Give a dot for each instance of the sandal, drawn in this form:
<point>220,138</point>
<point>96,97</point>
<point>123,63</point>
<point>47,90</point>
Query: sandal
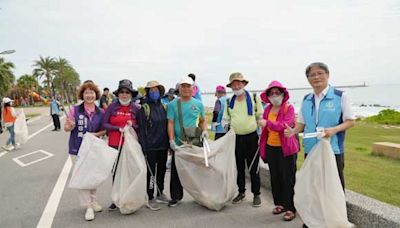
<point>289,216</point>
<point>277,210</point>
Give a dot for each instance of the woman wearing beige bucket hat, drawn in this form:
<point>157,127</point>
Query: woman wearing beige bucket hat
<point>153,137</point>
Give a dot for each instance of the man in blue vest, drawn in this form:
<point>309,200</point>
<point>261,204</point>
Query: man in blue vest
<point>327,108</point>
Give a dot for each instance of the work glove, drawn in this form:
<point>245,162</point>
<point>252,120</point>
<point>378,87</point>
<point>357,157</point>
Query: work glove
<point>173,145</point>
<point>204,135</point>
<point>214,126</point>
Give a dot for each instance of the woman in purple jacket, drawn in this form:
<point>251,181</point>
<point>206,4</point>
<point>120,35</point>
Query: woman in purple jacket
<point>277,150</point>
<point>83,118</point>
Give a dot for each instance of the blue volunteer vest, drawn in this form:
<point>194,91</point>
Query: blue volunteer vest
<point>220,128</point>
<point>329,115</point>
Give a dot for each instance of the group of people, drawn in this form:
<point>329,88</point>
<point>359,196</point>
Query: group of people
<point>164,122</point>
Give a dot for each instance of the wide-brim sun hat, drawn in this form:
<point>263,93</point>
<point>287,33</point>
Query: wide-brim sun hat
<point>237,77</point>
<point>152,84</point>
<point>126,84</point>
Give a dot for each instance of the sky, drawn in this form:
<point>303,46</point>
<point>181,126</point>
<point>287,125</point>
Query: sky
<point>266,40</point>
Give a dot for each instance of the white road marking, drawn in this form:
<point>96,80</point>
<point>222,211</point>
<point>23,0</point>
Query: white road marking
<point>3,153</point>
<point>19,162</point>
<point>33,119</point>
<point>46,220</point>
<point>31,136</point>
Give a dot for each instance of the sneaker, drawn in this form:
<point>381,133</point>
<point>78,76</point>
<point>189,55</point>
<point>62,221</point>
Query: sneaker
<point>239,198</point>
<point>162,199</point>
<point>97,207</point>
<point>173,203</point>
<point>54,129</point>
<point>257,201</point>
<point>8,147</point>
<point>112,207</point>
<point>153,205</point>
<point>17,146</point>
<point>89,215</point>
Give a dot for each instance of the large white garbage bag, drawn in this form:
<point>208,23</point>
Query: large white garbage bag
<point>129,190</point>
<point>20,128</point>
<point>213,186</point>
<point>94,163</point>
<point>319,198</point>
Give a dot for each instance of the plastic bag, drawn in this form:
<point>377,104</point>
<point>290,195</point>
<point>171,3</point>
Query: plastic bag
<point>129,190</point>
<point>213,186</point>
<point>94,163</point>
<point>20,128</point>
<point>319,198</point>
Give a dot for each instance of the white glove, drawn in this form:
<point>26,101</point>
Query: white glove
<point>173,145</point>
<point>214,126</point>
<point>225,124</point>
<point>204,135</point>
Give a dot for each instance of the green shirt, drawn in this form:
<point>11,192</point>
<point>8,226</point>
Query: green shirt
<point>239,119</point>
<point>192,110</point>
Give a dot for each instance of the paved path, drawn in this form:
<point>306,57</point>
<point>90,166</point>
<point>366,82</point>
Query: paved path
<point>25,192</point>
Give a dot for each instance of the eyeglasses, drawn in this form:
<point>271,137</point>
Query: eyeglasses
<point>124,91</point>
<point>274,93</point>
<point>313,75</point>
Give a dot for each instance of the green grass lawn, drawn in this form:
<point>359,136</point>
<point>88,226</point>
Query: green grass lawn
<point>375,176</point>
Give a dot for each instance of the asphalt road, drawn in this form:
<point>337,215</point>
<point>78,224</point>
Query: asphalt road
<point>27,189</point>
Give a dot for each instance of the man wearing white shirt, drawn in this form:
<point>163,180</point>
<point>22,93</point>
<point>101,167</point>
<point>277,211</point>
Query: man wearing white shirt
<point>327,108</point>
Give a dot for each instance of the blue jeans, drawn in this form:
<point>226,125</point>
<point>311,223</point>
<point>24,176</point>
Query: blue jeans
<point>11,140</point>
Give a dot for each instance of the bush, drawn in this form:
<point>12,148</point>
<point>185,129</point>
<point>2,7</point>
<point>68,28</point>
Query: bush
<point>386,116</point>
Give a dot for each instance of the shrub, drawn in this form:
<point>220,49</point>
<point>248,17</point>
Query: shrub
<point>386,116</point>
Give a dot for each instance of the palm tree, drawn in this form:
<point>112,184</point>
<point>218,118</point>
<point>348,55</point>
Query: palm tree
<point>6,75</point>
<point>45,67</point>
<point>66,79</point>
<point>27,83</point>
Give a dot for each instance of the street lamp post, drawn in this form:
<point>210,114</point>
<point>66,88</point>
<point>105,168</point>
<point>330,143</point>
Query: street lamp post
<point>7,52</point>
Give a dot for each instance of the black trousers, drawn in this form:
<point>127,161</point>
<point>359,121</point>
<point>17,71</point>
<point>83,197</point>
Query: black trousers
<point>156,158</point>
<point>219,135</point>
<point>340,167</point>
<point>283,176</point>
<point>56,121</point>
<point>246,148</point>
<point>175,186</point>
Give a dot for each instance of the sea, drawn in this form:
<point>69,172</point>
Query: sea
<point>366,101</point>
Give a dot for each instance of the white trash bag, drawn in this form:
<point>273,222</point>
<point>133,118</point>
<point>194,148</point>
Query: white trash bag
<point>94,163</point>
<point>129,190</point>
<point>20,128</point>
<point>213,186</point>
<point>319,198</point>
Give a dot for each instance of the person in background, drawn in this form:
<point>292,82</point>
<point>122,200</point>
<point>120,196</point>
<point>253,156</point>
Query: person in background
<point>119,114</point>
<point>278,151</point>
<point>9,115</point>
<point>193,115</point>
<point>85,118</point>
<point>105,99</point>
<point>153,137</point>
<point>218,112</point>
<point>243,112</point>
<point>168,97</point>
<point>196,88</point>
<point>55,113</point>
